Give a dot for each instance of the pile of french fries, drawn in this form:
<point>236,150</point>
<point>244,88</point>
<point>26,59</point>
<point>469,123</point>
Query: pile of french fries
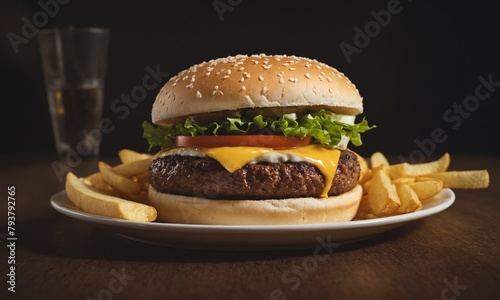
<point>119,192</point>
<point>403,188</point>
<point>122,191</point>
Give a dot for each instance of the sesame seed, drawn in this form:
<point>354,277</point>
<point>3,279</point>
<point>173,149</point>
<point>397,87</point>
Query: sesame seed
<point>225,77</point>
<point>279,75</point>
<point>308,65</point>
<point>292,69</point>
<point>330,90</point>
<point>322,73</point>
<point>318,67</point>
<point>228,72</point>
<point>209,69</point>
<point>292,79</point>
<point>189,86</point>
<point>261,78</point>
<point>247,75</point>
<point>185,77</point>
<point>216,87</point>
<point>214,92</point>
<point>174,84</point>
<point>264,90</point>
<point>281,80</point>
<point>255,62</point>
<point>217,74</point>
<point>339,76</point>
<point>285,65</point>
<point>243,88</point>
<point>267,67</point>
<point>329,79</point>
<point>242,79</point>
<point>207,74</point>
<point>198,95</point>
<point>192,79</point>
<point>307,75</point>
<point>241,68</point>
<point>321,78</point>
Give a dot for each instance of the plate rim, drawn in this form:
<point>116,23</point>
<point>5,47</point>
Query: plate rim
<point>57,202</point>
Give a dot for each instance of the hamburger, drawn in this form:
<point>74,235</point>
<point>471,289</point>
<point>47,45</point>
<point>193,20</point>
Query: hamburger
<point>256,140</point>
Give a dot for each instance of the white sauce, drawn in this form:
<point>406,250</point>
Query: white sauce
<point>271,157</point>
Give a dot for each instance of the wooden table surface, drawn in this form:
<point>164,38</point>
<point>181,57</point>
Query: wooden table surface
<point>451,255</point>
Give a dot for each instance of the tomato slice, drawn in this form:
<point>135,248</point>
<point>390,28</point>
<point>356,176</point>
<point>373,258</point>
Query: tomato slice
<point>266,141</point>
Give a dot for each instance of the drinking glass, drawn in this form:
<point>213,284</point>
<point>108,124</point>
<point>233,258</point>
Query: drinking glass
<point>74,66</point>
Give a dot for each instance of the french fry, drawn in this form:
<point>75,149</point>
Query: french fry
<point>364,169</point>
<point>402,180</point>
<point>142,197</point>
<point>366,186</point>
<point>366,177</point>
<point>409,170</point>
<point>119,182</point>
<point>364,211</point>
<point>383,199</point>
<point>97,181</point>
<point>426,189</point>
<point>127,155</point>
<point>411,184</point>
<point>476,179</point>
<point>143,179</point>
<point>410,201</point>
<point>133,168</point>
<point>92,201</point>
<point>378,159</point>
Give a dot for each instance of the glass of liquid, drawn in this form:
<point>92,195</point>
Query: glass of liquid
<point>74,64</point>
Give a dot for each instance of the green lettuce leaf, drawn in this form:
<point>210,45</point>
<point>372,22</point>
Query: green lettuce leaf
<point>321,126</point>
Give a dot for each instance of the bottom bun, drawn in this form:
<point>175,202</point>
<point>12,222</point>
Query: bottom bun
<point>196,210</point>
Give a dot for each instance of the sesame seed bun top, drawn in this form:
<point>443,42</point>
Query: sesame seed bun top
<point>257,81</point>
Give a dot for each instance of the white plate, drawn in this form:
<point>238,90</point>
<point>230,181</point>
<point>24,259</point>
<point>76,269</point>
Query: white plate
<point>251,237</point>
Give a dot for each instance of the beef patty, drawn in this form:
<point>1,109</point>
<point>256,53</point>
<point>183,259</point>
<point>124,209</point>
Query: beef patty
<point>206,177</point>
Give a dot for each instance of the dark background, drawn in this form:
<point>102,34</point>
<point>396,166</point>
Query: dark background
<point>425,61</point>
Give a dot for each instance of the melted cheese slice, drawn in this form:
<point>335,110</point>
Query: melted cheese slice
<point>234,158</point>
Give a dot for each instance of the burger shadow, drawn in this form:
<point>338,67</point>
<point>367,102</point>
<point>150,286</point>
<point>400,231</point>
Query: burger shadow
<point>56,236</point>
